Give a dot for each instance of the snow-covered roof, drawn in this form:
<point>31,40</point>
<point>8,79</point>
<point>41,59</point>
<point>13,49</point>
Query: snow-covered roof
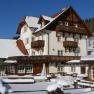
<point>8,48</point>
<point>51,20</point>
<point>10,61</point>
<point>87,58</point>
<point>32,21</point>
<point>47,18</point>
<point>73,61</point>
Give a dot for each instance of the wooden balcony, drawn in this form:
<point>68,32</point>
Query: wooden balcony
<point>71,29</point>
<point>70,44</point>
<point>37,44</point>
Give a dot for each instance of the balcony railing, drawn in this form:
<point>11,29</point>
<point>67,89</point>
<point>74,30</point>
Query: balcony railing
<point>71,44</point>
<point>37,44</point>
<point>70,29</point>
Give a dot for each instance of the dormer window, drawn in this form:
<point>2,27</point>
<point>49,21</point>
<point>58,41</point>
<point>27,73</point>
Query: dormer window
<point>76,25</point>
<point>60,22</point>
<point>66,24</point>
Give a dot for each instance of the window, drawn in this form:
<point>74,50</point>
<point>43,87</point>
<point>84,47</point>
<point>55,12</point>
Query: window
<point>93,72</point>
<point>89,52</point>
<point>89,43</point>
<point>60,52</point>
<point>33,53</point>
<point>73,69</point>
<point>60,68</point>
<point>65,38</point>
<point>83,70</point>
<point>25,29</point>
<point>66,24</point>
<point>76,39</point>
<point>27,41</point>
<point>58,38</point>
<point>76,25</point>
<point>21,68</point>
<point>60,22</point>
<point>41,52</point>
<point>29,68</point>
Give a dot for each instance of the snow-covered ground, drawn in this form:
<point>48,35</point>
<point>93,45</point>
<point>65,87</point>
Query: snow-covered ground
<point>42,87</point>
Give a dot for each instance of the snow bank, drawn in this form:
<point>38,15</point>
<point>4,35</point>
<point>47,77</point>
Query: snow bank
<point>17,80</point>
<point>53,87</point>
<point>39,77</point>
<point>2,88</point>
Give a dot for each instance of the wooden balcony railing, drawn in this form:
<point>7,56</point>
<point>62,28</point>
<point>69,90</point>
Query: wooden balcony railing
<point>37,44</point>
<point>70,29</point>
<point>71,44</point>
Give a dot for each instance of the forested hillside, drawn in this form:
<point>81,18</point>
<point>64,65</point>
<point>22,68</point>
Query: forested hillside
<point>90,24</point>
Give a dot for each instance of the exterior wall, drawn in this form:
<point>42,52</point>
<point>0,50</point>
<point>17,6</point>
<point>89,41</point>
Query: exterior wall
<point>67,69</point>
<point>83,46</point>
<point>52,68</point>
<point>55,45</point>
<point>24,35</point>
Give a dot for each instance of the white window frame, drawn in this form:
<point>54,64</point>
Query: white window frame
<point>73,68</point>
<point>26,41</point>
<point>60,52</point>
<point>92,72</point>
<point>29,68</point>
<point>66,24</point>
<point>21,68</point>
<point>60,68</point>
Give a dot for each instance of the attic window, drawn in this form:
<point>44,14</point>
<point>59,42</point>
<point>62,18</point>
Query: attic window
<point>66,24</point>
<point>60,22</point>
<point>76,25</point>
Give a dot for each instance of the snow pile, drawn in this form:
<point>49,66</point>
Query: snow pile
<point>67,80</point>
<point>2,88</point>
<point>17,80</point>
<point>54,86</point>
<point>57,83</point>
<point>39,77</point>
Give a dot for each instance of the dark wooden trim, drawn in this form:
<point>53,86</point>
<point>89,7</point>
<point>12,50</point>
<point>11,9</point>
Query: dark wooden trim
<point>21,24</point>
<point>45,58</point>
<point>21,47</point>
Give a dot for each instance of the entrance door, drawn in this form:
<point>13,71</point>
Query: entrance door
<point>37,68</point>
<point>83,70</point>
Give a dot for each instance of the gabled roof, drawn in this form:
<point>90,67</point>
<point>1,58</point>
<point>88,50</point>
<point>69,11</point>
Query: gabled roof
<point>30,21</point>
<point>63,12</point>
<point>51,21</point>
<point>9,48</point>
<point>46,18</point>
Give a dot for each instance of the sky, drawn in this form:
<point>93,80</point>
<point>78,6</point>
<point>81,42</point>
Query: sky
<point>12,11</point>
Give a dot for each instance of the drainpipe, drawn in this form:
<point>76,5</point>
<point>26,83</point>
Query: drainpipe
<point>47,69</point>
<point>48,42</point>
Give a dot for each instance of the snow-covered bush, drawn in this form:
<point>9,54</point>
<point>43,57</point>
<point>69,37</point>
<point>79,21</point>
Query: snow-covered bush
<point>57,91</point>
